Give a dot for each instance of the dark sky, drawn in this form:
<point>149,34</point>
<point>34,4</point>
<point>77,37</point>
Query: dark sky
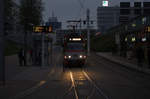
<point>71,9</point>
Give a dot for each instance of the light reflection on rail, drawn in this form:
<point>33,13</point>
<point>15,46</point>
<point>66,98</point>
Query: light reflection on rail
<point>73,85</point>
<point>78,78</point>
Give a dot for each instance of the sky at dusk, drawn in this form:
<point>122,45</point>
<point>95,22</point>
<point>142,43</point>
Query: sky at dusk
<point>73,9</point>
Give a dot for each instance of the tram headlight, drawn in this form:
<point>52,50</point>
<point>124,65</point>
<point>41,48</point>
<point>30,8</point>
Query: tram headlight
<point>69,56</point>
<point>65,57</point>
<point>81,56</point>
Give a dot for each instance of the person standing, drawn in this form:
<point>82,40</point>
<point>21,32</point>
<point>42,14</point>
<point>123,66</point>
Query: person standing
<point>148,56</point>
<point>31,56</point>
<point>21,56</point>
<point>39,58</point>
<point>140,56</point>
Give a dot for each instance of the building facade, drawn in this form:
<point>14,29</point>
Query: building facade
<point>107,17</point>
<point>130,10</point>
<point>53,22</point>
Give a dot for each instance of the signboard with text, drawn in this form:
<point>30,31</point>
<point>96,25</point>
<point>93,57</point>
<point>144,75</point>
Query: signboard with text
<point>40,29</point>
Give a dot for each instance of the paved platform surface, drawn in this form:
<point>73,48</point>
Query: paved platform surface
<point>20,78</point>
<point>129,63</point>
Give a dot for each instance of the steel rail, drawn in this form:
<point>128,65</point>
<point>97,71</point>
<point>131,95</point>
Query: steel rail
<point>74,86</point>
<point>95,85</point>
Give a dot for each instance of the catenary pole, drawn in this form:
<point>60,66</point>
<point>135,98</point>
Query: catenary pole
<point>88,31</point>
<point>43,47</point>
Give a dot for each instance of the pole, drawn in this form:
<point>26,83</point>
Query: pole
<point>88,31</point>
<point>51,52</point>
<point>2,58</point>
<point>43,49</point>
<point>80,26</point>
<point>25,47</point>
<point>114,15</point>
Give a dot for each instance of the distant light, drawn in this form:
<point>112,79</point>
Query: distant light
<point>65,57</point>
<point>81,56</point>
<point>69,56</point>
<point>98,33</point>
<point>105,3</point>
<point>38,29</point>
<point>133,25</point>
<point>41,83</point>
<point>144,20</point>
<point>133,39</point>
<point>148,29</point>
<point>144,39</point>
<point>50,29</point>
<point>126,39</point>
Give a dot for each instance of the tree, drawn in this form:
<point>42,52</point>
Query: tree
<point>8,19</point>
<point>30,13</point>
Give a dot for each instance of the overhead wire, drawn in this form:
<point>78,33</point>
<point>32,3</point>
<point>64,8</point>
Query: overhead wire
<point>82,7</point>
<point>82,4</point>
<point>81,10</point>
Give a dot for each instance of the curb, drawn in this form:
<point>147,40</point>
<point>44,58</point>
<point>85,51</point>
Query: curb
<point>125,64</point>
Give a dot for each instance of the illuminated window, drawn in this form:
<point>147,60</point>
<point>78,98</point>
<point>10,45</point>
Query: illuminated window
<point>50,29</point>
<point>133,25</point>
<point>144,39</point>
<point>143,20</point>
<point>149,29</point>
<point>133,39</point>
<point>126,39</point>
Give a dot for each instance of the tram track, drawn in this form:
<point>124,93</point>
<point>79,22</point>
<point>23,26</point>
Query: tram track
<point>99,90</point>
<point>88,85</point>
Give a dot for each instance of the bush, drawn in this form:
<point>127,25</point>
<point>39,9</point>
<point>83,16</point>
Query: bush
<point>103,43</point>
<point>11,48</point>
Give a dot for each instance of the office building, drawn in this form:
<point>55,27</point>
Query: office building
<point>107,17</point>
<point>130,10</point>
<point>53,21</point>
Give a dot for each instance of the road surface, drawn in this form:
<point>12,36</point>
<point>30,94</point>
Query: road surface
<point>99,79</point>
